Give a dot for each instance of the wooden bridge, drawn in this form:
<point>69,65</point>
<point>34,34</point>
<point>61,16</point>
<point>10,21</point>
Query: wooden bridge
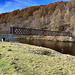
<point>29,31</point>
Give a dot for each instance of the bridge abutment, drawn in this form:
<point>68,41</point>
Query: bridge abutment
<point>8,37</point>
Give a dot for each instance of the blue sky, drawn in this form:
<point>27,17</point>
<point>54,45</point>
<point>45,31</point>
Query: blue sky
<point>10,5</point>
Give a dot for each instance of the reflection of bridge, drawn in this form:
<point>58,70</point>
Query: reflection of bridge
<point>28,31</point>
<point>14,31</point>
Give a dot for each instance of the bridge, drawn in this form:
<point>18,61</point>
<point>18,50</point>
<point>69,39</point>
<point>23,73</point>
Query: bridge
<point>15,31</point>
<point>29,31</point>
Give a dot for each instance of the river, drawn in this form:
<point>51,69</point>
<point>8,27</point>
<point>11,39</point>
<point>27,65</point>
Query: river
<point>62,47</point>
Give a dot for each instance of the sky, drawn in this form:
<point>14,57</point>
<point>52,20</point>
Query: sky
<point>11,5</point>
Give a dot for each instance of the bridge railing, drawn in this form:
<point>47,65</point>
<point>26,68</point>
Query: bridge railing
<point>28,31</point>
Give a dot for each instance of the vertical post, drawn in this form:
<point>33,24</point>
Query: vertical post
<point>2,39</point>
<point>11,29</point>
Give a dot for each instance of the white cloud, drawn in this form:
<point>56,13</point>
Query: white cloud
<point>4,6</point>
<point>16,4</point>
<point>32,2</point>
<point>28,2</point>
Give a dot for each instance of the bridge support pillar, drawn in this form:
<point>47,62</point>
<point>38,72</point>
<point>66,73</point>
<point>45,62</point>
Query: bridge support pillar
<point>70,39</point>
<point>8,37</point>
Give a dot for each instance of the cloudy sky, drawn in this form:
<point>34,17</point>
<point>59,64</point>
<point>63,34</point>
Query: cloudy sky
<point>10,5</point>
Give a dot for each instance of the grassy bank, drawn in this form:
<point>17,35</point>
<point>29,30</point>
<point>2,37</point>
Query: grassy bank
<point>24,59</point>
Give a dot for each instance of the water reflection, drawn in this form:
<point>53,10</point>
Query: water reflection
<point>63,47</point>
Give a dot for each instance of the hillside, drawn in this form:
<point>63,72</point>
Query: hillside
<point>57,16</point>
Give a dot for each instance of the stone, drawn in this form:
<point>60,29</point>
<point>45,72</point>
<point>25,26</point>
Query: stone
<point>12,63</point>
<point>9,50</point>
<point>3,46</point>
<point>7,55</point>
<point>16,67</point>
<point>46,53</point>
<point>9,46</point>
<point>16,59</point>
<point>20,70</point>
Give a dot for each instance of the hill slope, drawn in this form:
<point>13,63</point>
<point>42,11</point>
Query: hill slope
<point>58,16</point>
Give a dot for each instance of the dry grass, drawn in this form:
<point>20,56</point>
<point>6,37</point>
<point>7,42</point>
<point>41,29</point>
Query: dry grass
<point>24,59</point>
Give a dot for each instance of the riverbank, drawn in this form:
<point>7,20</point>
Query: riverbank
<point>24,59</point>
<point>47,38</point>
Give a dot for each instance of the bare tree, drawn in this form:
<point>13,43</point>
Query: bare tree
<point>73,3</point>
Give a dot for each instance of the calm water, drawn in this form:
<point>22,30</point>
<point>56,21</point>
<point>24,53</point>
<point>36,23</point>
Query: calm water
<point>63,47</point>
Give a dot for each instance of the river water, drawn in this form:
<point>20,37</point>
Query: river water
<point>62,47</point>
